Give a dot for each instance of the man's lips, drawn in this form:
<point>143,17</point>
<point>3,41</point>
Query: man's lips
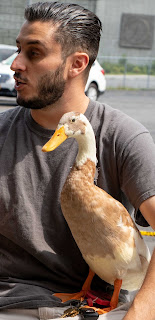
<point>19,83</point>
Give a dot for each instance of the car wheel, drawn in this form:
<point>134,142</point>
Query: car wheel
<point>14,93</point>
<point>92,92</point>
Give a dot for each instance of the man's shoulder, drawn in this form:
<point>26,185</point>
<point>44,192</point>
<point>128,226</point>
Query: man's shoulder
<point>115,118</point>
<point>113,125</point>
<point>9,119</point>
<point>10,114</point>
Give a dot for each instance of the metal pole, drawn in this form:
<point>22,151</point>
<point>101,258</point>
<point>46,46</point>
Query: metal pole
<point>125,71</point>
<point>149,71</point>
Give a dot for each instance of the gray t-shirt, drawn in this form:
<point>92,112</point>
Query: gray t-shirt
<point>38,255</point>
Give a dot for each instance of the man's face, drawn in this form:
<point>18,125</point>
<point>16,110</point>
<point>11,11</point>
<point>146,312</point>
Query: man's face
<point>39,68</point>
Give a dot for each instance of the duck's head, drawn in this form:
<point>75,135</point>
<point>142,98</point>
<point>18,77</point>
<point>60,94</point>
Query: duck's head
<point>73,125</point>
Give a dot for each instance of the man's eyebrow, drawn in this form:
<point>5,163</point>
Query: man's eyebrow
<point>32,42</point>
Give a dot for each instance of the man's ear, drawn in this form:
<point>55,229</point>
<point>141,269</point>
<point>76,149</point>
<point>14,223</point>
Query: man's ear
<point>78,63</point>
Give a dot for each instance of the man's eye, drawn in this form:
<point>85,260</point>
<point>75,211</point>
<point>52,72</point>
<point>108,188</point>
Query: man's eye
<point>34,53</point>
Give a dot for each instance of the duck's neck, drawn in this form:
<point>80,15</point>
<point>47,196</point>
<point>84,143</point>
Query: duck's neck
<point>86,172</point>
<point>87,148</point>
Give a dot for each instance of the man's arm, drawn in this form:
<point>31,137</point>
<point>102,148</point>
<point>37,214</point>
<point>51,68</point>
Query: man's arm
<point>143,306</point>
<point>147,209</point>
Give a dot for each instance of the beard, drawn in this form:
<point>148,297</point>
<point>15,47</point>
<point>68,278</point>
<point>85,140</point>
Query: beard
<point>50,89</point>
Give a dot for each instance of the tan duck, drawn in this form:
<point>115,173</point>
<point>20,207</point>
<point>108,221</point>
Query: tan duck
<point>105,233</point>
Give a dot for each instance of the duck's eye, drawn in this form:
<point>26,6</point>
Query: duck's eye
<point>73,120</point>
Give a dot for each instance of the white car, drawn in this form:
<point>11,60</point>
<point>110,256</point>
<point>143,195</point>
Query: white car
<point>7,81</point>
<point>96,83</point>
<point>6,51</point>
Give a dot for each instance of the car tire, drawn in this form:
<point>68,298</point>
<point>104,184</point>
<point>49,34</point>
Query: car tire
<point>92,92</point>
<point>14,93</point>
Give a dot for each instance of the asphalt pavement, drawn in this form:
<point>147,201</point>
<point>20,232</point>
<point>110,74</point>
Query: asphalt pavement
<point>139,104</point>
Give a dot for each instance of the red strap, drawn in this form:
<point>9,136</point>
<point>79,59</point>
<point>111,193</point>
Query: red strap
<point>89,302</point>
<point>91,299</point>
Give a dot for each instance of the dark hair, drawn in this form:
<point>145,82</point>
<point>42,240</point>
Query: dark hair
<point>76,27</point>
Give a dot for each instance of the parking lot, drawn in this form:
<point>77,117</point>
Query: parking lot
<point>139,104</point>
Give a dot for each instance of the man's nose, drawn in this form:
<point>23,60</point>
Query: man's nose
<point>18,63</point>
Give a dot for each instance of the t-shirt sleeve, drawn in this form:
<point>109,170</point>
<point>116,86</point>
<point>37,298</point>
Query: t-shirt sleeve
<point>137,167</point>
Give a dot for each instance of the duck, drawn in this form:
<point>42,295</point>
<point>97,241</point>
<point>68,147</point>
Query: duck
<point>109,240</point>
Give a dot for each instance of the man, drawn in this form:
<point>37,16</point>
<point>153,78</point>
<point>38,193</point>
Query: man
<point>57,45</point>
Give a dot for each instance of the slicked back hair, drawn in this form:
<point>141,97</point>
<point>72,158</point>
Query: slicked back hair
<point>77,29</point>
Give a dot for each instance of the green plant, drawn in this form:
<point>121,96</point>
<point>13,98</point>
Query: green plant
<point>136,70</point>
<point>119,68</point>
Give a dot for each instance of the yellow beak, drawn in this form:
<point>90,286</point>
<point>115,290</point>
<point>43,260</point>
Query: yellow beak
<point>58,137</point>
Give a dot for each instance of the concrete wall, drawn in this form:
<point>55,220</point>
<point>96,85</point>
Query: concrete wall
<point>109,11</point>
<point>11,19</point>
<point>11,16</point>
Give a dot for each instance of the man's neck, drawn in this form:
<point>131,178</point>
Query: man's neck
<point>49,116</point>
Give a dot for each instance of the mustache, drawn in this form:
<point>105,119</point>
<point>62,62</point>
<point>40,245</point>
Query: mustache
<point>18,76</point>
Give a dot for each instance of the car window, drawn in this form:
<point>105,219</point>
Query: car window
<point>5,53</point>
<point>10,59</point>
